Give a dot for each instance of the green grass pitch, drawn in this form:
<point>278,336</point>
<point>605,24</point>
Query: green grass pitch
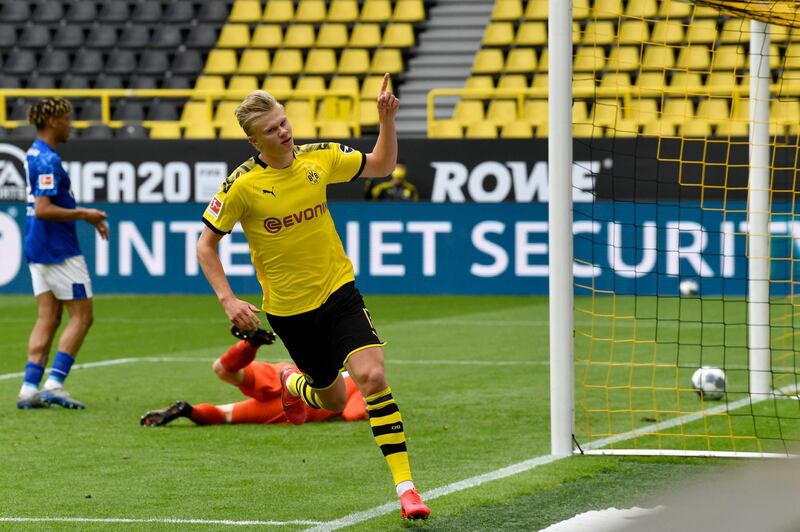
<point>470,375</point>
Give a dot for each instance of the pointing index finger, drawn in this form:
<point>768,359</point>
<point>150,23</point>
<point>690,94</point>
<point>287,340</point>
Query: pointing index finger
<point>385,82</point>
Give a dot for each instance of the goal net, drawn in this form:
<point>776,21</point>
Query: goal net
<point>689,254</point>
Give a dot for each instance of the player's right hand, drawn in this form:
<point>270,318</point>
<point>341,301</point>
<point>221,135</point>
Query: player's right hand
<point>97,218</point>
<point>242,314</point>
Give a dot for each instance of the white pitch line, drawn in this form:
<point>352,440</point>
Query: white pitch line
<point>166,520</point>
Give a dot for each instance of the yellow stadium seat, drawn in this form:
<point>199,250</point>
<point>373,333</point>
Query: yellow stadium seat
<point>624,128</point>
<point>498,34</point>
<point>371,87</point>
<point>517,129</point>
<point>648,82</point>
<point>343,11</point>
<point>310,11</point>
<point>777,34</point>
<point>633,32</point>
<point>538,9</point>
<point>687,82</point>
<point>521,60</point>
<point>702,31</point>
<point>580,111</point>
<point>445,129</point>
<point>335,129</point>
<point>785,112</point>
<point>580,9</point>
<point>697,127</point>
<point>398,35</point>
<point>278,11</point>
<point>585,131</point>
<point>607,9</point>
<point>386,60</point>
<point>721,79</point>
<point>658,58</point>
<point>535,112</point>
<point>481,130</point>
<point>243,83</point>
<point>408,11</point>
<point>365,36</point>
<point>221,62</point>
<point>695,57</point>
<point>299,111</point>
<point>304,130</point>
<point>736,30</point>
<point>368,113</point>
<point>540,81</point>
<point>733,128</point>
<point>299,36</point>
<point>740,109</point>
<point>677,110</point>
<point>332,35</point>
<point>728,57</point>
<point>234,36</point>
<point>642,9</point>
<point>620,81</point>
<point>224,114</point>
<point>531,34</point>
<point>287,62</point>
<point>674,10</point>
<point>376,11</point>
<point>705,12</point>
<point>210,83</point>
<point>267,36</point>
<point>624,58</point>
<point>507,10</point>
<point>166,131</point>
<point>335,108</point>
<point>599,33</point>
<point>255,61</point>
<point>501,112</point>
<point>589,59</point>
<point>245,11</point>
<point>642,111</point>
<point>277,84</point>
<point>200,130</point>
<point>605,112</point>
<point>320,61</point>
<point>479,83</point>
<point>659,128</point>
<point>512,81</point>
<point>196,112</point>
<point>488,61</point>
<point>667,32</point>
<point>543,62</point>
<point>584,85</point>
<point>468,111</point>
<point>354,61</point>
<point>231,131</point>
<point>791,58</point>
<point>345,83</point>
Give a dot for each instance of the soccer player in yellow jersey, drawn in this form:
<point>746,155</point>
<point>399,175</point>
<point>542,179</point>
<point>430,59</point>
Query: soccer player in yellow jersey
<point>310,299</point>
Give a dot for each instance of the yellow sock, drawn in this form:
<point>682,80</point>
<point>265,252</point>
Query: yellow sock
<point>387,429</point>
<point>298,386</point>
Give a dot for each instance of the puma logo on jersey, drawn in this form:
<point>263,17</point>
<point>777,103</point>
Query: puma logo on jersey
<point>265,191</point>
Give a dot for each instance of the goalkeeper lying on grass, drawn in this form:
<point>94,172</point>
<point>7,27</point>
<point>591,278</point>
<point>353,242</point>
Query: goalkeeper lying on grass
<point>261,382</point>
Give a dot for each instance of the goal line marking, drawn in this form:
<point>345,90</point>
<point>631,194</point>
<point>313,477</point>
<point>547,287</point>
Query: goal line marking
<point>166,520</point>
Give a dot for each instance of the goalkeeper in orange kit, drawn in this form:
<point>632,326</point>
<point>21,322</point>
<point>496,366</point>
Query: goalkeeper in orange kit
<point>260,381</point>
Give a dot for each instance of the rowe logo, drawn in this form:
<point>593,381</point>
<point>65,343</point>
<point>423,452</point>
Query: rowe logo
<point>12,170</point>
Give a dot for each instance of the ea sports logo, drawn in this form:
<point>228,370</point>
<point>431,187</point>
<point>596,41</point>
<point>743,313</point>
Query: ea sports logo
<point>12,170</point>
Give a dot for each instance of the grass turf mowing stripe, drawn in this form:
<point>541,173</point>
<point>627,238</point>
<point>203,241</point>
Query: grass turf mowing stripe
<point>164,520</point>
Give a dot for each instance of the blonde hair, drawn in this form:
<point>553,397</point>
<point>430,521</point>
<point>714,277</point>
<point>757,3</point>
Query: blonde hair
<point>255,105</point>
<point>47,108</point>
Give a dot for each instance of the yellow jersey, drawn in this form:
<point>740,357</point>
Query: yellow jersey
<point>295,249</point>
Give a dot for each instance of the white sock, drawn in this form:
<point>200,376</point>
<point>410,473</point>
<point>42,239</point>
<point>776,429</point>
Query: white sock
<point>404,487</point>
<point>28,391</point>
<point>52,384</point>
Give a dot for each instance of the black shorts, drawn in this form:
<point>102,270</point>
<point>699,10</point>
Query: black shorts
<point>320,340</point>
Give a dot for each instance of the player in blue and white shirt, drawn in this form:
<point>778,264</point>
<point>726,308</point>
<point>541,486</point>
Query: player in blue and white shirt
<point>58,270</point>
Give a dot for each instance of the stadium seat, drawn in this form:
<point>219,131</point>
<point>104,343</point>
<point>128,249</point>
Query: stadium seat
<point>54,62</point>
<point>81,12</point>
<point>287,62</point>
<point>677,110</point>
<point>304,130</point>
<point>488,61</point>
<point>177,82</point>
<point>299,36</point>
<point>535,112</point>
<point>310,11</point>
<point>310,83</point>
<point>345,83</point>
<point>120,62</point>
<point>299,111</point>
<point>498,34</point>
<point>605,112</point>
<point>96,132</point>
<point>589,59</point>
<point>320,61</point>
<point>697,127</point>
<point>619,81</point>
<point>72,81</point>
<point>353,61</point>
<point>386,60</point>
<point>48,11</point>
<point>9,82</point>
<point>365,36</point>
<point>278,11</point>
<point>224,114</point>
<point>371,86</point>
<point>24,133</point>
<point>35,37</point>
<point>42,82</point>
<point>102,37</point>
<point>256,62</point>
<point>481,130</point>
<point>15,11</point>
<point>243,83</point>
<point>231,131</point>
<point>642,111</point>
<point>501,112</point>
<point>737,30</point>
<point>8,36</point>
<point>580,112</point>
<point>163,111</point>
<point>658,58</point>
<point>90,110</point>
<point>267,36</point>
<point>138,81</point>
<point>234,36</point>
<point>335,129</point>
<point>642,9</point>
<point>66,37</point>
<point>520,60</point>
<point>445,129</point>
<point>623,58</point>
<point>130,131</point>
<point>702,31</point>
<point>165,131</point>
<point>412,11</point>
<point>147,11</point>
<point>187,62</point>
<point>178,11</point>
<point>531,34</point>
<point>368,113</point>
<point>213,11</point>
<point>114,11</point>
<point>599,33</point>
<point>517,129</point>
<point>733,129</point>
<point>134,37</point>
<point>332,35</point>
<point>166,37</point>
<point>20,62</point>
<point>345,11</point>
<point>376,11</point>
<point>693,58</point>
<point>728,57</point>
<point>479,83</point>
<point>466,112</point>
<point>128,111</point>
<point>507,10</point>
<point>245,11</point>
<point>222,62</point>
<point>647,82</point>
<point>607,9</point>
<point>674,10</point>
<point>540,81</point>
<point>667,32</point>
<point>202,36</point>
<point>277,84</point>
<point>633,32</point>
<point>512,81</point>
<point>107,81</point>
<point>196,112</point>
<point>200,131</point>
<point>624,128</point>
<point>206,82</point>
<point>538,9</point>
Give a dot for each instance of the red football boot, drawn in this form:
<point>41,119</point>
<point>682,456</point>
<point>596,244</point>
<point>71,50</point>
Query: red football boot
<point>293,407</point>
<point>412,507</point>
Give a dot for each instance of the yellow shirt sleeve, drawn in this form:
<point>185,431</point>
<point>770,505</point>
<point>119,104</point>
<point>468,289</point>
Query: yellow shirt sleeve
<point>346,163</point>
<point>225,209</point>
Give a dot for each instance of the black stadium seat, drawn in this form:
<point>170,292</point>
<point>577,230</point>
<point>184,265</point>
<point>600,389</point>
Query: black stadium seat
<point>53,62</point>
<point>8,36</point>
<point>153,62</point>
<point>105,81</point>
<point>41,82</point>
<point>68,37</point>
<point>9,82</point>
<point>97,131</point>
<point>15,11</point>
<point>26,132</point>
<point>18,109</point>
<point>131,131</point>
<point>166,36</point>
<point>87,62</point>
<point>48,11</point>
<point>120,62</point>
<point>163,111</point>
<point>89,110</point>
<point>147,11</point>
<point>188,62</point>
<point>213,11</point>
<point>114,11</point>
<point>128,111</point>
<point>202,36</point>
<point>82,12</point>
<point>20,62</point>
<point>143,82</point>
<point>71,81</point>
<point>102,37</point>
<point>34,37</point>
<point>178,82</point>
<point>134,37</point>
<point>179,11</point>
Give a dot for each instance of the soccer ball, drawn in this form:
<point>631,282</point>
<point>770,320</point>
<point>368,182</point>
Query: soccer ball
<point>689,287</point>
<point>709,382</point>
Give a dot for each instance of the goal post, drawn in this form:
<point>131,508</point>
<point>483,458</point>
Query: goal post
<point>688,116</point>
